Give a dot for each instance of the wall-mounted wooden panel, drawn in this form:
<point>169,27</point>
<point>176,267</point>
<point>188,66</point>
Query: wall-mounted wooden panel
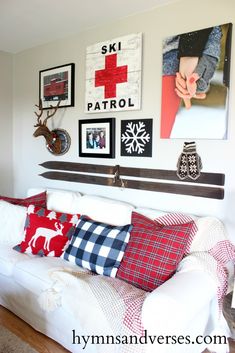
<point>164,180</point>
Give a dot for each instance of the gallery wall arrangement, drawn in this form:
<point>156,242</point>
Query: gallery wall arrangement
<point>195,85</point>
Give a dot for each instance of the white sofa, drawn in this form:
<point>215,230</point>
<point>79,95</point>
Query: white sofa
<point>186,305</point>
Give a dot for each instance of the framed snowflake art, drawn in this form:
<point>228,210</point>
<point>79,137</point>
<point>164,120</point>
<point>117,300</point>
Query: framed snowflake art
<point>136,138</point>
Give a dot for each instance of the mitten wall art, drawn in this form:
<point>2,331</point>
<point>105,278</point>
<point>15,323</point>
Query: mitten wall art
<point>189,164</point>
<point>195,83</point>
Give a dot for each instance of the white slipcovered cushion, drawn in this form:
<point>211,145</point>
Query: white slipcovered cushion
<point>12,221</point>
<point>150,212</point>
<point>8,259</point>
<point>34,274</point>
<point>99,208</point>
<point>60,200</point>
<point>105,210</point>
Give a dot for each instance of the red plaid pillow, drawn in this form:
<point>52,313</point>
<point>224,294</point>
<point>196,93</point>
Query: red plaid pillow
<point>153,252</point>
<point>47,232</point>
<point>39,200</point>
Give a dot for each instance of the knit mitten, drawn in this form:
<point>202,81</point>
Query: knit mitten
<point>199,81</point>
<point>189,162</point>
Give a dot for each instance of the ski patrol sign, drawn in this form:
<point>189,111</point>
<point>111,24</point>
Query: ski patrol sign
<point>113,75</point>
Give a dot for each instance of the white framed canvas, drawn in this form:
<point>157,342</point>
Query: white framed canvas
<point>113,75</point>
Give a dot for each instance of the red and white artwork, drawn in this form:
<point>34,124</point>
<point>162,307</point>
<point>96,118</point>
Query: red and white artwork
<point>113,75</point>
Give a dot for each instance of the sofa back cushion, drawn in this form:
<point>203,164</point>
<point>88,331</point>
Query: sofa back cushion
<point>47,232</point>
<point>153,252</point>
<point>63,201</point>
<point>150,212</point>
<point>12,220</point>
<point>101,209</point>
<point>97,246</point>
<point>106,210</point>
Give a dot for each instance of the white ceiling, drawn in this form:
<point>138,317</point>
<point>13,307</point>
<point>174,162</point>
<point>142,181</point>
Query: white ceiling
<point>28,23</point>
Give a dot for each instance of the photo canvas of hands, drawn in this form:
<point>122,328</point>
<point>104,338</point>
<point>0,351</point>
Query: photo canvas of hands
<point>195,83</point>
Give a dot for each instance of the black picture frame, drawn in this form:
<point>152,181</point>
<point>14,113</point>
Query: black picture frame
<point>97,138</point>
<point>136,137</point>
<point>57,83</point>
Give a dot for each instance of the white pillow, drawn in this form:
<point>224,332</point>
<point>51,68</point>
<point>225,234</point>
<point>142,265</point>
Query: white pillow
<point>64,201</point>
<point>102,209</point>
<point>150,212</point>
<point>12,221</point>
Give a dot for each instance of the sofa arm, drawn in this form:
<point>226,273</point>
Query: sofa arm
<point>180,299</point>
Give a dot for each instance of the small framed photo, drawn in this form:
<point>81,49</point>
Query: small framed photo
<point>97,138</point>
<point>57,84</point>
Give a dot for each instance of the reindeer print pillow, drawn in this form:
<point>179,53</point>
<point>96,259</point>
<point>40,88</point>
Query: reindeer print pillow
<point>46,232</point>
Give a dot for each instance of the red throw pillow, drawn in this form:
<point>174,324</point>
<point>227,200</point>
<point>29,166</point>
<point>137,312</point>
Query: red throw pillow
<point>47,232</point>
<point>153,252</point>
<point>39,200</point>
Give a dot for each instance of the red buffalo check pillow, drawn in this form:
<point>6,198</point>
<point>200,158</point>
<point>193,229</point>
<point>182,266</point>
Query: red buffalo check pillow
<point>47,232</point>
<point>153,252</point>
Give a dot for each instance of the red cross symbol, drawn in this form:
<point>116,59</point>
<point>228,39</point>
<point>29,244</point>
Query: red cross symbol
<point>110,76</point>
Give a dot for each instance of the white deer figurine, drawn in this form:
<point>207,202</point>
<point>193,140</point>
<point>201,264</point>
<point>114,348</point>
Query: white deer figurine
<point>46,233</point>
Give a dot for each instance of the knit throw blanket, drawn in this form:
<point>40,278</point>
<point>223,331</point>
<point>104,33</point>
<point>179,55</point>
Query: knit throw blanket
<point>209,248</point>
<point>116,304</point>
<point>104,306</point>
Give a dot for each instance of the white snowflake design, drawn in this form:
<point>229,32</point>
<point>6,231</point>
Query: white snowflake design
<point>183,168</point>
<point>183,159</point>
<point>193,168</point>
<point>192,159</point>
<point>135,137</point>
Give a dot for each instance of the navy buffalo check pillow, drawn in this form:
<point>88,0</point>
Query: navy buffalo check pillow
<point>98,247</point>
<point>153,252</point>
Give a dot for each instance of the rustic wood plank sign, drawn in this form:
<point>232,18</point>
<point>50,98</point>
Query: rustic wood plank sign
<point>113,74</point>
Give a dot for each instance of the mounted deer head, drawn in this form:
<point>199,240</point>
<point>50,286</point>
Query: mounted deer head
<point>58,140</point>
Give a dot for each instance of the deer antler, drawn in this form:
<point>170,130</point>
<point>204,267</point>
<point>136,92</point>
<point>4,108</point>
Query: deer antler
<point>39,121</point>
<point>53,113</point>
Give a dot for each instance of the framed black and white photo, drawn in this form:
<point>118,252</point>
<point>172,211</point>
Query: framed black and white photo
<point>57,84</point>
<point>97,138</point>
<point>136,138</point>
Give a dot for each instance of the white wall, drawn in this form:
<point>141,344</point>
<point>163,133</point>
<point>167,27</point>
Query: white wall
<point>6,86</point>
<point>217,155</point>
